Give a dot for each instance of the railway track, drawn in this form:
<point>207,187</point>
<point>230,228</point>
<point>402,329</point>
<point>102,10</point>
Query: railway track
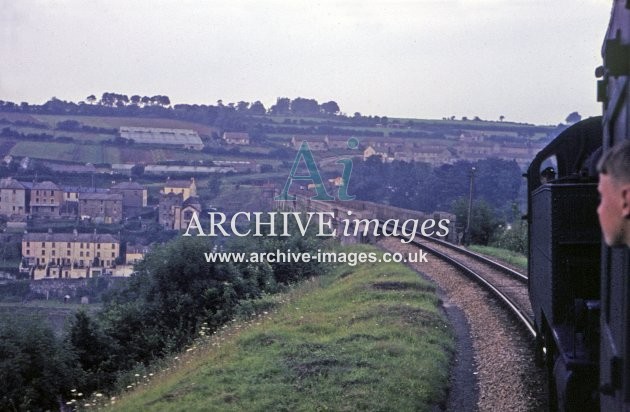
<point>507,285</point>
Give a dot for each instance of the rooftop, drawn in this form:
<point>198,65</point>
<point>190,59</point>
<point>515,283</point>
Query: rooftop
<point>161,136</point>
<point>70,237</point>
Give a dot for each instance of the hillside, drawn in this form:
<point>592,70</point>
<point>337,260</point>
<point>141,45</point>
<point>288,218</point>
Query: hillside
<point>364,338</point>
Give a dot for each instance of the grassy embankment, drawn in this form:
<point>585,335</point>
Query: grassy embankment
<point>364,338</point>
<point>513,258</point>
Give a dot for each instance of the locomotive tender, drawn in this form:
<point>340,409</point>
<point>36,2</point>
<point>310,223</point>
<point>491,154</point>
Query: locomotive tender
<point>580,288</point>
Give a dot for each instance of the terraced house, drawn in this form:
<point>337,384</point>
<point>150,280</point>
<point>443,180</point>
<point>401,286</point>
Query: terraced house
<point>69,255</point>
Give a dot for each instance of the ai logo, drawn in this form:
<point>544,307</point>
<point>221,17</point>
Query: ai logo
<point>313,175</point>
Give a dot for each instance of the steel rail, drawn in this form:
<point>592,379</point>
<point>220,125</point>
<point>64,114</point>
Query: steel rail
<point>523,317</point>
<point>483,259</point>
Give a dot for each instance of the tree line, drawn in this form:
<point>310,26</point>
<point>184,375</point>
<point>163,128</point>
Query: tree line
<point>418,186</point>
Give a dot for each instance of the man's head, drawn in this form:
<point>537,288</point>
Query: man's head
<point>614,191</point>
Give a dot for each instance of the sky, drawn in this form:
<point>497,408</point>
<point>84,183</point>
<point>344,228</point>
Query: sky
<point>528,60</point>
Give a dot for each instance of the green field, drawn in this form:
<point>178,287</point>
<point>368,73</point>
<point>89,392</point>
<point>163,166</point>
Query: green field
<point>116,122</point>
<point>44,150</point>
<point>365,338</point>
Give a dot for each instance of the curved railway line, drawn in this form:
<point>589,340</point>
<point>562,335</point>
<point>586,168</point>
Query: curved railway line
<point>506,284</point>
<point>504,368</point>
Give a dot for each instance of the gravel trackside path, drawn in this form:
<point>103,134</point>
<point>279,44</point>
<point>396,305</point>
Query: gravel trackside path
<point>507,377</point>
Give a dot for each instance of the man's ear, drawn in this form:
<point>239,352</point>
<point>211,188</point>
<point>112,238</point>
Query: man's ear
<point>625,207</point>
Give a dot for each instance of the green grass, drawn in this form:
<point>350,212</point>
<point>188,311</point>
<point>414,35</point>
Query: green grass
<point>116,122</point>
<point>369,337</point>
<point>513,258</point>
<point>44,150</point>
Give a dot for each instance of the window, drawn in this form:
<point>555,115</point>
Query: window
<point>87,254</point>
<point>43,253</point>
<point>113,246</point>
<point>81,253</point>
<point>67,253</point>
<point>98,254</point>
<point>53,253</point>
<point>28,252</point>
<point>68,244</point>
<point>28,243</point>
<point>81,245</point>
<point>113,254</point>
<point>98,246</point>
<point>43,244</point>
<point>53,244</point>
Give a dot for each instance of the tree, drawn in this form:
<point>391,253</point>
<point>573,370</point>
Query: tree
<point>573,117</point>
<point>257,108</point>
<point>173,292</point>
<point>91,99</point>
<point>282,106</point>
<point>164,101</point>
<point>330,108</point>
<point>95,352</point>
<point>242,106</point>
<point>483,222</point>
<point>35,368</point>
<point>304,106</point>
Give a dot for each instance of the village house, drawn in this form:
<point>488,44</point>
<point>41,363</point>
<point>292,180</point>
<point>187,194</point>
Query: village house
<point>434,156</point>
<point>71,193</point>
<point>46,200</point>
<point>391,143</point>
<point>101,207</point>
<point>69,255</point>
<point>238,138</point>
<point>476,151</point>
<point>135,253</point>
<point>167,203</point>
<point>370,151</point>
<point>134,197</point>
<point>472,137</point>
<point>175,213</point>
<point>337,142</point>
<point>13,198</point>
<point>187,188</point>
<point>316,143</point>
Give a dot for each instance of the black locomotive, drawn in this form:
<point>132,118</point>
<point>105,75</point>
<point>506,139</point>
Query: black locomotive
<point>579,288</point>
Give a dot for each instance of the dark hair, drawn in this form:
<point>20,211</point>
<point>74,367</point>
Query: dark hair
<point>616,162</point>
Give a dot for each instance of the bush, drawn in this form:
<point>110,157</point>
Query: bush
<point>514,239</point>
<point>35,368</point>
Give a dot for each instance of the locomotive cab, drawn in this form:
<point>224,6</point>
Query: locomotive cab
<point>564,250</point>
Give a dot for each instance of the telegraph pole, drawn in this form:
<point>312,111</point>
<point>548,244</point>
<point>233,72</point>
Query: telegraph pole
<point>470,196</point>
